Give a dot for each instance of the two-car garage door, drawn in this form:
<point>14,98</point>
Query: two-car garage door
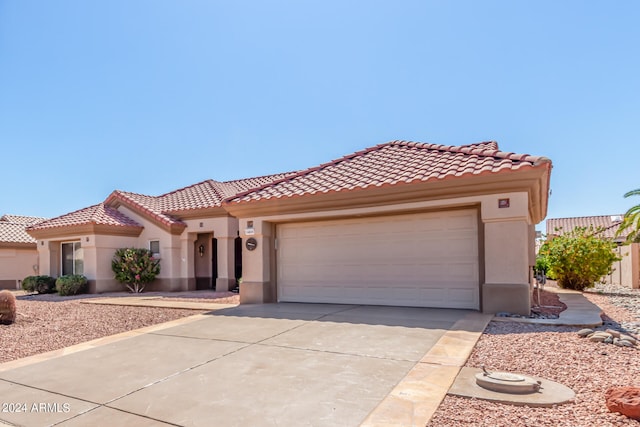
<point>423,260</point>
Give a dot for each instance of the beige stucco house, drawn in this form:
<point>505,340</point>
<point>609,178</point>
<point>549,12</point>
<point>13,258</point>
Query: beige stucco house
<point>400,223</point>
<point>18,253</point>
<point>626,272</point>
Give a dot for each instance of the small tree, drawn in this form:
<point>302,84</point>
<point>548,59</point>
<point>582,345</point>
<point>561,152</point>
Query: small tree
<point>135,268</point>
<point>579,258</point>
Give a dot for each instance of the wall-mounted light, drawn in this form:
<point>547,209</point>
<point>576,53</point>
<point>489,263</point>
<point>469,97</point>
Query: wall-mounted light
<point>201,250</point>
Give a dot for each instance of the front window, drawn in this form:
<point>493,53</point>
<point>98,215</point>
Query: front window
<point>72,259</point>
<point>154,247</point>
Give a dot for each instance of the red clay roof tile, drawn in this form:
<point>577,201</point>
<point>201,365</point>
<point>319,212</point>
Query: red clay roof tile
<point>393,163</point>
<point>99,214</point>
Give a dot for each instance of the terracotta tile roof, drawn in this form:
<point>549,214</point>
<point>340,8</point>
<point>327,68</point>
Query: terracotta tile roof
<point>608,223</point>
<point>21,219</point>
<point>99,214</point>
<point>206,194</point>
<point>11,232</point>
<point>203,195</point>
<point>149,206</point>
<point>394,163</point>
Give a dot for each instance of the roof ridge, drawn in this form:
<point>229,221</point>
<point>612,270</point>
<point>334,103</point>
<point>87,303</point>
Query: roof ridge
<point>256,177</point>
<point>206,181</point>
<point>158,215</point>
<point>472,149</point>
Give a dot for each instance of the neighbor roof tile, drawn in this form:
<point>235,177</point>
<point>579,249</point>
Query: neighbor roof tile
<point>608,223</point>
<point>11,232</point>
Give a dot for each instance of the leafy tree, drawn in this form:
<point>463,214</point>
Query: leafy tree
<point>631,220</point>
<point>579,258</point>
<point>135,268</point>
<point>542,261</point>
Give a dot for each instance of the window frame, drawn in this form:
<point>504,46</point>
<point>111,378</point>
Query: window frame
<point>156,255</point>
<point>76,245</point>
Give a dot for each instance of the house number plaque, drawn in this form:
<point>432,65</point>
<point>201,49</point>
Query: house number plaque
<point>251,244</point>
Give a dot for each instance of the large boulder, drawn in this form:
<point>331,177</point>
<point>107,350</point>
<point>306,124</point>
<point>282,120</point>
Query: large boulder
<point>625,400</point>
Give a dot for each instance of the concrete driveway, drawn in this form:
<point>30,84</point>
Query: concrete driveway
<point>258,365</point>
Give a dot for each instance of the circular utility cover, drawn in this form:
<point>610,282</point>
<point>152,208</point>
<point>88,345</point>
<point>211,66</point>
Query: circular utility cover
<point>506,376</point>
<point>505,382</point>
<point>251,244</point>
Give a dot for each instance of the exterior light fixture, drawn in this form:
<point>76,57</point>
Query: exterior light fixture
<point>201,250</point>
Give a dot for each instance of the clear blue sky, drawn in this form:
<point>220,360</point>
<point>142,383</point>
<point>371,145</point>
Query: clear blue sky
<point>150,96</point>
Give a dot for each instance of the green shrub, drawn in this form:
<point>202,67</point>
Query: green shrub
<point>579,258</point>
<point>7,307</point>
<point>71,285</point>
<point>135,268</point>
<point>40,284</point>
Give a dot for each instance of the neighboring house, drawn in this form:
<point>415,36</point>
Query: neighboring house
<point>626,272</point>
<point>18,253</point>
<point>400,223</point>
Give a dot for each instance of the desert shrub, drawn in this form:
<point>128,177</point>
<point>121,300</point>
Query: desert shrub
<point>40,284</point>
<point>579,258</point>
<point>7,307</point>
<point>135,268</point>
<point>71,285</point>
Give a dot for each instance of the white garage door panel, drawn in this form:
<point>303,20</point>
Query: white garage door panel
<point>428,260</point>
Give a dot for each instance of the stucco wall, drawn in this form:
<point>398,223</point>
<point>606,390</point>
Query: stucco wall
<point>15,265</point>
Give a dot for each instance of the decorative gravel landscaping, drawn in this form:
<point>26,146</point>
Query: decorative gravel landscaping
<point>556,353</point>
<point>50,322</point>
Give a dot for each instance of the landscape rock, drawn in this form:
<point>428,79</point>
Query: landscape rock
<point>625,400</point>
<point>613,332</point>
<point>628,338</point>
<point>600,336</point>
<point>583,333</point>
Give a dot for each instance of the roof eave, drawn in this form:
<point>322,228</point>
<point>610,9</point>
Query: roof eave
<point>17,245</point>
<point>83,229</point>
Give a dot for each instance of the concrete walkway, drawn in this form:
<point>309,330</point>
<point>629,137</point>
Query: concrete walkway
<point>580,311</point>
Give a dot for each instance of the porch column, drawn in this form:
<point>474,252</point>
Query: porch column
<point>508,245</point>
<point>226,263</point>
<point>187,268</point>
<point>506,286</point>
<point>257,286</point>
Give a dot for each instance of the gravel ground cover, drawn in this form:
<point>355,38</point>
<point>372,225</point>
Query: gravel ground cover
<point>50,322</point>
<point>558,354</point>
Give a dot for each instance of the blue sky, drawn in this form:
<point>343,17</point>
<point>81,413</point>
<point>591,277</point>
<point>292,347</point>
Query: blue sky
<point>150,96</point>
